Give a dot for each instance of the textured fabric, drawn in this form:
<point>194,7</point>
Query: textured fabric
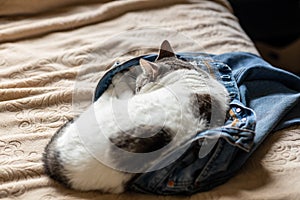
<point>49,48</point>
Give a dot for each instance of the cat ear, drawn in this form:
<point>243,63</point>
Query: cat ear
<point>149,68</point>
<point>165,50</point>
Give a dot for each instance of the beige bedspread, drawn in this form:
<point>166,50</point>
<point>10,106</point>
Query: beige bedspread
<point>55,51</point>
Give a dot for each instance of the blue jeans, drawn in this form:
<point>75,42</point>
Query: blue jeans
<point>263,99</point>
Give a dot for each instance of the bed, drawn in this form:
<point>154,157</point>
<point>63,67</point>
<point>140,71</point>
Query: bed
<point>53,53</point>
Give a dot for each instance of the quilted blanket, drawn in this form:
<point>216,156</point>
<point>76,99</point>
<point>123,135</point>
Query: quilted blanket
<point>53,53</point>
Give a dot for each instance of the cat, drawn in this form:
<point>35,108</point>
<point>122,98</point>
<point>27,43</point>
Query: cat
<point>171,102</point>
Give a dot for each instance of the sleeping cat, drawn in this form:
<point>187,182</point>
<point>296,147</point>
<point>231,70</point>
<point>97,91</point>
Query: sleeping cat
<point>99,150</point>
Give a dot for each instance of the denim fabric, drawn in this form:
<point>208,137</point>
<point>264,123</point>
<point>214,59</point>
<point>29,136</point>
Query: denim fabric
<point>263,99</point>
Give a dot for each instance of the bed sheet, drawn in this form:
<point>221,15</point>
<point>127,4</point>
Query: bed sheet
<point>52,54</point>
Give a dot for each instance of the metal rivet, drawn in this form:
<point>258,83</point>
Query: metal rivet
<point>171,184</point>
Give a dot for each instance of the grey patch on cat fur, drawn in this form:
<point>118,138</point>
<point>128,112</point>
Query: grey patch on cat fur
<point>166,66</point>
<point>128,141</point>
<point>51,158</point>
<point>202,106</point>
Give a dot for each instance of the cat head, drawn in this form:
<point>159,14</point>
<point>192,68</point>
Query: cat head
<point>165,63</point>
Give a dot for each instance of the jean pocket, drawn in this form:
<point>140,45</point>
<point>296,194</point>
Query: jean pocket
<point>195,174</point>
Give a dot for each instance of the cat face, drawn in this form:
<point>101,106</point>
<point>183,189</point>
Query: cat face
<point>165,63</point>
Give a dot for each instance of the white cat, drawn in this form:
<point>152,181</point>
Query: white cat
<point>107,145</point>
